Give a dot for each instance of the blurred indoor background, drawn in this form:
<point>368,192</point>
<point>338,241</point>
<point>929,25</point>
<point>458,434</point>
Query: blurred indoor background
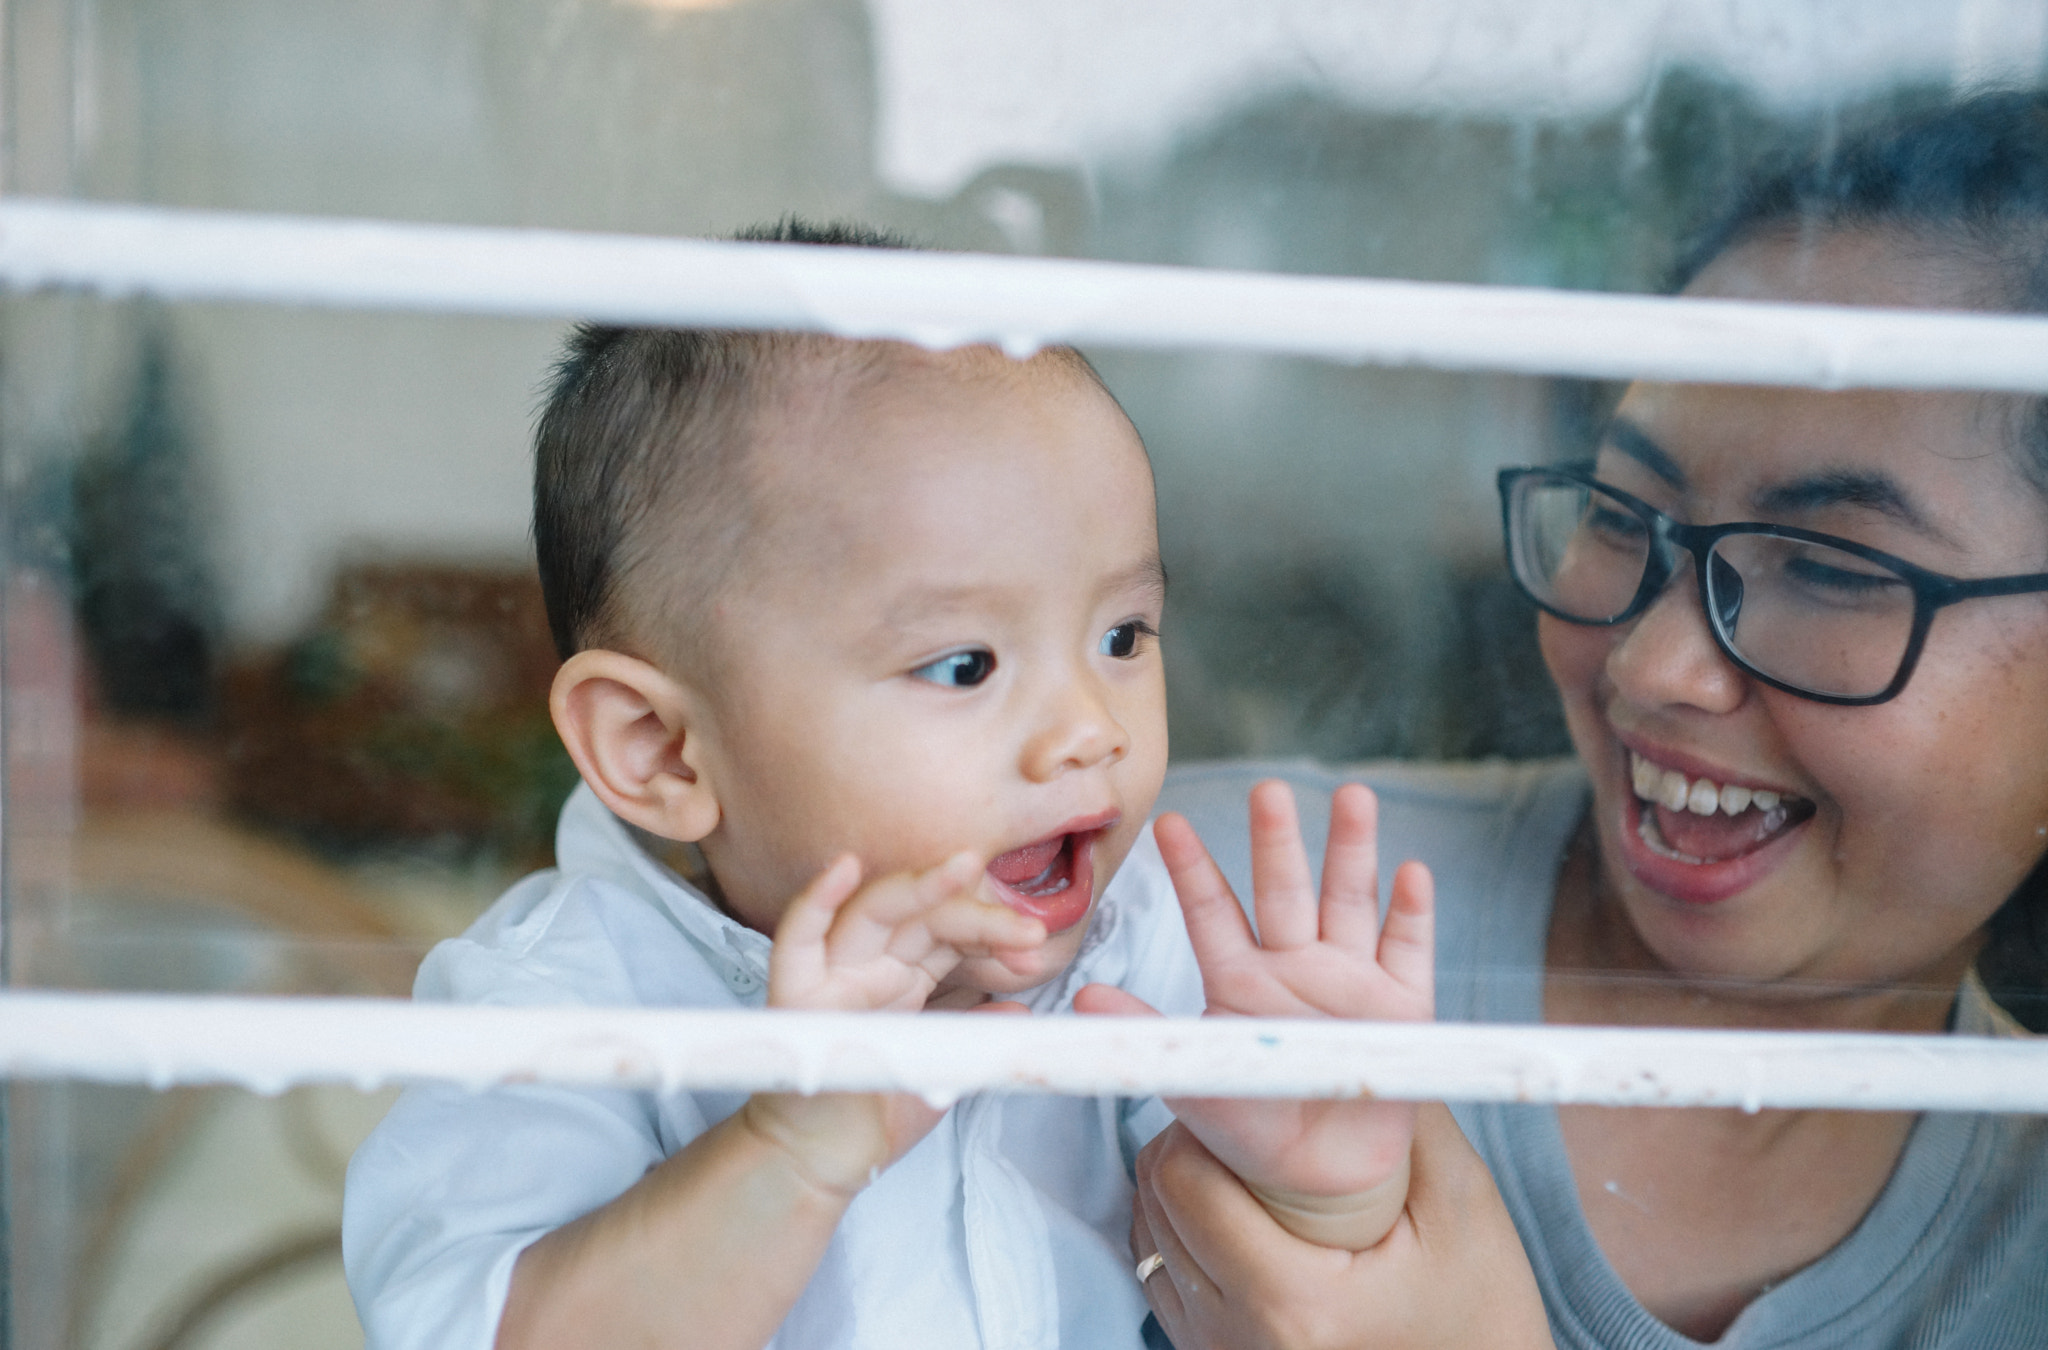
<point>274,664</point>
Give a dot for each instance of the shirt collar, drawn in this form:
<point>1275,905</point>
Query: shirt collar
<point>591,841</point>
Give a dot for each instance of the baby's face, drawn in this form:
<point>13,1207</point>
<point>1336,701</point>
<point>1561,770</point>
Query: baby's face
<point>945,639</point>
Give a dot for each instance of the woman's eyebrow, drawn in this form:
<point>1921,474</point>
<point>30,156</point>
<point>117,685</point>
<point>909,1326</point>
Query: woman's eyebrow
<point>1634,442</point>
<point>1846,487</point>
<point>1814,492</point>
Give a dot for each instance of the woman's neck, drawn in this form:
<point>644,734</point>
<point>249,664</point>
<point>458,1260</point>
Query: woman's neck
<point>1597,971</point>
<point>1700,1212</point>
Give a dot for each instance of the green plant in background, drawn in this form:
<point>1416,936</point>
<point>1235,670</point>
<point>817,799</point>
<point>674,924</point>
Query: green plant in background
<point>144,590</point>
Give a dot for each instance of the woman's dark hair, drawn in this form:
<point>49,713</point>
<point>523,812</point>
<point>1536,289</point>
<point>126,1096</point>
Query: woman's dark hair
<point>1968,180</point>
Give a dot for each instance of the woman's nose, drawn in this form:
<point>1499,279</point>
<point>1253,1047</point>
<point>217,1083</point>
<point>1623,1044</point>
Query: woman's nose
<point>1079,730</point>
<point>1667,655</point>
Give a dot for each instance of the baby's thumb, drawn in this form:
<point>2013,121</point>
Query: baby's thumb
<point>1106,1000</point>
<point>809,916</point>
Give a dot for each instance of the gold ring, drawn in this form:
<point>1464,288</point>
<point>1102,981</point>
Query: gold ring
<point>1150,1266</point>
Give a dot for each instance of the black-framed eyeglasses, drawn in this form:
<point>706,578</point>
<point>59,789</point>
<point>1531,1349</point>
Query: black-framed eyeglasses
<point>1814,615</point>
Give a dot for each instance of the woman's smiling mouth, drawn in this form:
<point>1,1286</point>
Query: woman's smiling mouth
<point>1700,840</point>
<point>1697,820</point>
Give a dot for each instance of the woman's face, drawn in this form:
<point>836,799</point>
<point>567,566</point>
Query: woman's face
<point>1900,826</point>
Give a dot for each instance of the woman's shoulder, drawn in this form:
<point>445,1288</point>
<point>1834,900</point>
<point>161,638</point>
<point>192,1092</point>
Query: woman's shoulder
<point>1978,1014</point>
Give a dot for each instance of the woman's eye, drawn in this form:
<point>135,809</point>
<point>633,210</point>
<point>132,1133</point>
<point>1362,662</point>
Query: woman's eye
<point>1842,582</point>
<point>1122,640</point>
<point>958,670</point>
<point>1615,526</point>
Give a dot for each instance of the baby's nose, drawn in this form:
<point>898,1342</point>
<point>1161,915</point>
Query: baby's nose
<point>1080,732</point>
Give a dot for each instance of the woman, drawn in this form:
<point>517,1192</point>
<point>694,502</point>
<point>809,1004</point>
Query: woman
<point>1810,791</point>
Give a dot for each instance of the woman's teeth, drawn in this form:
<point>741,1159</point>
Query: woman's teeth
<point>1696,820</point>
<point>1701,796</point>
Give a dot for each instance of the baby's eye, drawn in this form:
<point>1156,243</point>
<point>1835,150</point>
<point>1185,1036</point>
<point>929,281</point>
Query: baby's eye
<point>1122,640</point>
<point>959,670</point>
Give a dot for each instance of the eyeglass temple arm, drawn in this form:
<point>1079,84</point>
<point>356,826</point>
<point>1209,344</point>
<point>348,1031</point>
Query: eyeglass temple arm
<point>1989,586</point>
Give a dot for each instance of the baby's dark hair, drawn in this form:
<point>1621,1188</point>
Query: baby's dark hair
<point>1967,181</point>
<point>642,448</point>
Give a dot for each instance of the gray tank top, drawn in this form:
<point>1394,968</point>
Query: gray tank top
<point>1954,1252</point>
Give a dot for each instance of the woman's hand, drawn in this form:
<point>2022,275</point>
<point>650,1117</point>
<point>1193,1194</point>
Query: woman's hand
<point>1452,1272</point>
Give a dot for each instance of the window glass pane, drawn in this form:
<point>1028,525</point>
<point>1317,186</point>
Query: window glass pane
<point>277,662</point>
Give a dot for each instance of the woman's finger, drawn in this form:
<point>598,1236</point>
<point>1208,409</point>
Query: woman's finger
<point>1283,894</point>
<point>1407,949</point>
<point>1223,1228</point>
<point>1351,871</point>
<point>1217,928</point>
<point>1463,1234</point>
<point>1158,1288</point>
<point>1180,1281</point>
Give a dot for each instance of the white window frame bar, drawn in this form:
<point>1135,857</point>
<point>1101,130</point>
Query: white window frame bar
<point>269,1044</point>
<point>939,300</point>
<point>943,300</point>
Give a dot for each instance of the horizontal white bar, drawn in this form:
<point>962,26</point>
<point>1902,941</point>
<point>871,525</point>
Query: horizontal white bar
<point>948,299</point>
<point>269,1044</point>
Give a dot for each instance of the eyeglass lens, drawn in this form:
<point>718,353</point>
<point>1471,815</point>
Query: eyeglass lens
<point>1810,615</point>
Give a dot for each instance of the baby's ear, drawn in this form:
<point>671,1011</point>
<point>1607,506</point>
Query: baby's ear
<point>637,739</point>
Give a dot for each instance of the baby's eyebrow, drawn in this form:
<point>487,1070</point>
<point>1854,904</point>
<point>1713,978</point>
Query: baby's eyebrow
<point>922,602</point>
<point>1146,577</point>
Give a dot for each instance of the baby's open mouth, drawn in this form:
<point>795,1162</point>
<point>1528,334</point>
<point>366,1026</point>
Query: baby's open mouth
<point>1697,820</point>
<point>1037,870</point>
<point>1052,880</point>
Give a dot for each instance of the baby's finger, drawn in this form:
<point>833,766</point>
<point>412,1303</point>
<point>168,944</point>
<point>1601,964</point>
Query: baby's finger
<point>1217,928</point>
<point>1283,896</point>
<point>798,954</point>
<point>1408,946</point>
<point>1351,871</point>
<point>1106,1000</point>
<point>874,920</point>
<point>969,925</point>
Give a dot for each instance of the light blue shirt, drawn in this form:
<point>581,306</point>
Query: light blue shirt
<point>1004,1228</point>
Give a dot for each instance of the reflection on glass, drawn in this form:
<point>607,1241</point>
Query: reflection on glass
<point>275,675</point>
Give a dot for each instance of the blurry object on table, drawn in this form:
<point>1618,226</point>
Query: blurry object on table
<point>414,712</point>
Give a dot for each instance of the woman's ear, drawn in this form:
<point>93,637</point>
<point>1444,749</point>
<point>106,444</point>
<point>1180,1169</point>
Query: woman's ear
<point>638,738</point>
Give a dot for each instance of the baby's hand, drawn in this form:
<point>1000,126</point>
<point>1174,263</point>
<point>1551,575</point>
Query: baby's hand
<point>1331,1171</point>
<point>885,946</point>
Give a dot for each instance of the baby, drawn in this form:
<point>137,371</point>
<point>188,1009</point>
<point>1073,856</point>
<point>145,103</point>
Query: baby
<point>862,651</point>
